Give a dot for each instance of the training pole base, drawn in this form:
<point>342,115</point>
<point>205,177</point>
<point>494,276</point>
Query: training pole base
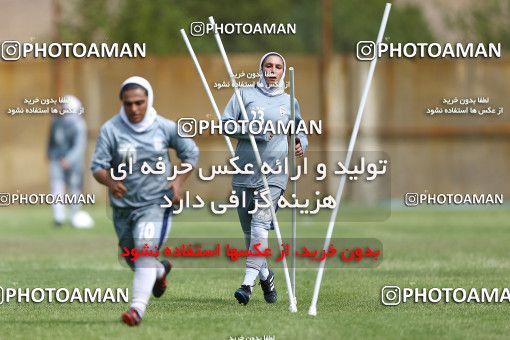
<point>293,308</point>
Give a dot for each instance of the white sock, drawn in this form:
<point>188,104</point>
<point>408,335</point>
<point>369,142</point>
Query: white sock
<point>160,270</point>
<point>264,273</point>
<point>250,276</point>
<point>59,211</point>
<point>143,281</point>
<point>258,235</point>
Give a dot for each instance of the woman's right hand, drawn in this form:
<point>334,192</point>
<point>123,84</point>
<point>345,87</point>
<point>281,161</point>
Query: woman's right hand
<point>118,189</point>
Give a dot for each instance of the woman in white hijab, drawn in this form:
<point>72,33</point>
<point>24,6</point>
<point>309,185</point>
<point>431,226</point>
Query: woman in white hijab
<point>137,120</point>
<point>137,134</point>
<point>267,102</point>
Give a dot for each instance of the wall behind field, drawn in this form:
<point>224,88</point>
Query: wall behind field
<point>454,153</point>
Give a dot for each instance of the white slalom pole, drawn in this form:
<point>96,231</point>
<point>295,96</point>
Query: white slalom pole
<point>293,182</point>
<point>354,135</point>
<point>206,87</point>
<point>292,302</point>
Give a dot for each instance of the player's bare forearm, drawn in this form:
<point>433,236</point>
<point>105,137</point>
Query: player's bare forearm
<point>182,178</point>
<point>103,177</point>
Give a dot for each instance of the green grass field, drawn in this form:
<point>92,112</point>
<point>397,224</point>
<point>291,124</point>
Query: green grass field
<point>422,248</point>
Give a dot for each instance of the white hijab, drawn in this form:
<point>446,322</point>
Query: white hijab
<point>73,106</point>
<point>150,114</point>
<point>262,85</point>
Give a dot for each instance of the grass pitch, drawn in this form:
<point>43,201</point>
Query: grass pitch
<point>422,248</point>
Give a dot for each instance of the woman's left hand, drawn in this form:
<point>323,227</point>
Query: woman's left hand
<point>177,189</point>
<point>298,149</point>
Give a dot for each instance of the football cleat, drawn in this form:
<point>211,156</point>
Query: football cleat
<point>160,284</point>
<point>131,317</point>
<point>243,294</point>
<point>268,288</point>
